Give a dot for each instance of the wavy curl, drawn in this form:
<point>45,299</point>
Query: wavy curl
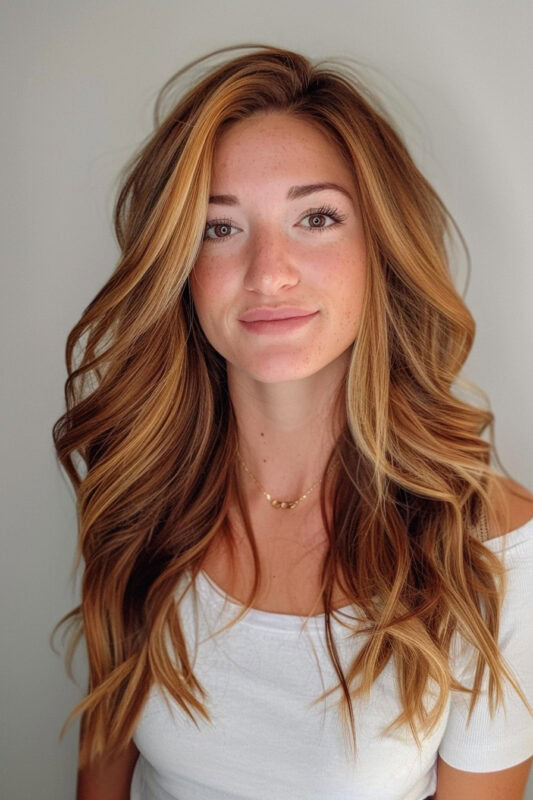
<point>149,437</point>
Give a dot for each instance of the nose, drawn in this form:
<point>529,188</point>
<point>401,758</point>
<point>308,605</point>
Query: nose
<point>270,264</point>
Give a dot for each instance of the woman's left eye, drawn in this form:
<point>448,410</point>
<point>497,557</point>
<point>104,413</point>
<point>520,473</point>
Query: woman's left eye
<point>312,213</point>
<point>324,211</point>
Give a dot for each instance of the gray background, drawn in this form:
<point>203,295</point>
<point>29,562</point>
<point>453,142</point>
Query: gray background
<point>78,84</point>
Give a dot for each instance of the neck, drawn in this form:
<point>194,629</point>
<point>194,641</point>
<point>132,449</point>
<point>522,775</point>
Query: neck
<point>285,454</point>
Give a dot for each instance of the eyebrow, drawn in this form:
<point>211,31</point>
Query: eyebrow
<point>294,193</point>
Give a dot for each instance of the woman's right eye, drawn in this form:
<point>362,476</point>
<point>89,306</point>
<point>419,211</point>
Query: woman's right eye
<point>224,226</point>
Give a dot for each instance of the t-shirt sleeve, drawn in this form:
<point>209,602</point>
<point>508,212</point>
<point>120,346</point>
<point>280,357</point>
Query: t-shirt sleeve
<point>494,743</point>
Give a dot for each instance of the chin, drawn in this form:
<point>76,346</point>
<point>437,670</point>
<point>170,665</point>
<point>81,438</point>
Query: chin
<point>277,373</point>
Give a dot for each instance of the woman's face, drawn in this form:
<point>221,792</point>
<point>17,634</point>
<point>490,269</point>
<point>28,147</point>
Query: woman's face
<point>272,243</point>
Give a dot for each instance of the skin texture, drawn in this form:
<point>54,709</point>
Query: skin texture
<point>505,784</point>
<point>281,386</point>
<point>108,779</point>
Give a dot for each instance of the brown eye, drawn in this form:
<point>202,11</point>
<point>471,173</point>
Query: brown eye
<point>316,214</point>
<point>221,226</point>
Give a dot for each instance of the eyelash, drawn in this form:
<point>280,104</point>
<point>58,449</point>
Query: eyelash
<point>325,210</point>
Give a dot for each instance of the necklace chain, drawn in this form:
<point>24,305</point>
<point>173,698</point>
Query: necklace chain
<point>283,504</point>
<point>287,504</point>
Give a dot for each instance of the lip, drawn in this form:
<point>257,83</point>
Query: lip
<point>278,326</point>
<point>280,312</point>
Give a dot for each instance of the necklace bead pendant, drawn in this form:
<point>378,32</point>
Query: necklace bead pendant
<point>283,504</point>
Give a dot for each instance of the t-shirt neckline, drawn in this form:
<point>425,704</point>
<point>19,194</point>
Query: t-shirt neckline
<point>290,622</point>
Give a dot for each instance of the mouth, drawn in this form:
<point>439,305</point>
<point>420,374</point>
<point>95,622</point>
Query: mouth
<point>278,326</point>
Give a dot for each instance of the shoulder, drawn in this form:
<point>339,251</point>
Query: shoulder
<point>487,753</point>
<point>515,507</point>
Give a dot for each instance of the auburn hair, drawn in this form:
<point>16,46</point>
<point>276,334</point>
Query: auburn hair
<point>148,438</point>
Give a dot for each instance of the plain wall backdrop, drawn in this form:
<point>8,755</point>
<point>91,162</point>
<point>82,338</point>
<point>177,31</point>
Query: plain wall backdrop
<point>78,84</point>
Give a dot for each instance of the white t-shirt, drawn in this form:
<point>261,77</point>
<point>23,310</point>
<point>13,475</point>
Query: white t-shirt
<point>267,741</point>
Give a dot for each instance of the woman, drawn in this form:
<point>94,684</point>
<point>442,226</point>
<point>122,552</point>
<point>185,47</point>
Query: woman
<point>301,569</point>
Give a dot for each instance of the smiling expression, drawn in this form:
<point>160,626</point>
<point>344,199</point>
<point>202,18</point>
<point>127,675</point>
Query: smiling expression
<point>273,241</point>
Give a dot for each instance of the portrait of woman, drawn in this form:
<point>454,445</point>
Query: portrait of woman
<point>303,574</point>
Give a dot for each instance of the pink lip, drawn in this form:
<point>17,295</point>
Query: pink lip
<point>281,312</point>
<point>278,326</point>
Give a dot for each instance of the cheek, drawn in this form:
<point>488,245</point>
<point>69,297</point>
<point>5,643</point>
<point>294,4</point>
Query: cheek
<point>344,285</point>
<point>343,274</point>
<point>206,285</point>
<point>213,295</point>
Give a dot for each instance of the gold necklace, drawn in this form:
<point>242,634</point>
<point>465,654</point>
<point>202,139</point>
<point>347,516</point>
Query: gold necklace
<point>285,504</point>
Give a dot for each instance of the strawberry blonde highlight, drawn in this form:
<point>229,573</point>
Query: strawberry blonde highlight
<point>149,437</point>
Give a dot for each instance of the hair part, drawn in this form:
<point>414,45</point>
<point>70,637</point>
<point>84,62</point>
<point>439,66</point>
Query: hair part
<point>149,417</point>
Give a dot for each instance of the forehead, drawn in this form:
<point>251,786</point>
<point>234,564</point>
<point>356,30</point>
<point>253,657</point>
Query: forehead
<point>275,144</point>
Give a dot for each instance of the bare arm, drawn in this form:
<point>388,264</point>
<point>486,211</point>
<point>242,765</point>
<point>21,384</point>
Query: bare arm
<point>108,779</point>
<point>505,784</point>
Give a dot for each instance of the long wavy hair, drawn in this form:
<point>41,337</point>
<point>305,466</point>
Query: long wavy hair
<point>149,436</point>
